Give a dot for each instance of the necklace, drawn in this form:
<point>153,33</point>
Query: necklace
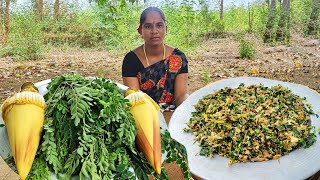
<point>145,54</point>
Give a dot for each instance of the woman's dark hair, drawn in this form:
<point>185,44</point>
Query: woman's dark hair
<point>150,9</point>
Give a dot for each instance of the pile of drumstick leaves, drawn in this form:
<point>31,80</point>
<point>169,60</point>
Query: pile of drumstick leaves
<point>89,132</point>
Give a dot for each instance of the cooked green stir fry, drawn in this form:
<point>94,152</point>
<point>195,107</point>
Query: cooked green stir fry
<point>251,123</point>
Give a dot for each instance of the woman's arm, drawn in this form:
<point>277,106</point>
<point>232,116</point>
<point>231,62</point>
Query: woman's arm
<point>181,88</point>
<point>131,82</point>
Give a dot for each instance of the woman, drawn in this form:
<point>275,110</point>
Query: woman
<point>155,68</point>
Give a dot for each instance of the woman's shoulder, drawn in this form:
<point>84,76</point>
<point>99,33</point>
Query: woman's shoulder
<point>132,59</point>
<point>174,50</point>
<point>130,55</point>
<point>177,52</point>
<point>133,54</point>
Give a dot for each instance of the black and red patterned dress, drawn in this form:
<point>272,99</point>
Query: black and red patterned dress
<point>157,80</point>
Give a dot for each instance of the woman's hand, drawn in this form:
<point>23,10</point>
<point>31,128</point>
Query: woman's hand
<point>181,88</point>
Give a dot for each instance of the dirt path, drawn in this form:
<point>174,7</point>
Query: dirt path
<point>216,59</point>
<point>219,58</point>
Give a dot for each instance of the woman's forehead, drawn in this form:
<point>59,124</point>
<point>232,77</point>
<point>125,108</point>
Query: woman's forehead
<point>153,17</point>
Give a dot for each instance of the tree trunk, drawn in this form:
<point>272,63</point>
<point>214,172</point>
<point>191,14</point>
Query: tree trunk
<point>283,31</point>
<point>221,10</point>
<point>39,6</point>
<point>313,25</point>
<point>56,8</point>
<point>287,32</point>
<point>7,20</point>
<point>270,24</point>
<point>2,37</point>
<point>250,11</point>
<point>2,5</point>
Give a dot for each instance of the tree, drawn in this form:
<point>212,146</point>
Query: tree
<point>108,2</point>
<point>56,9</point>
<point>221,10</point>
<point>39,7</point>
<point>7,19</point>
<point>283,30</point>
<point>2,5</point>
<point>270,24</point>
<point>313,25</point>
<point>250,20</point>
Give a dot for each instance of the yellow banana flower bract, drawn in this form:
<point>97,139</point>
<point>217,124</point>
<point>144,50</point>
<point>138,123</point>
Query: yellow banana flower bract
<point>23,115</point>
<point>146,114</point>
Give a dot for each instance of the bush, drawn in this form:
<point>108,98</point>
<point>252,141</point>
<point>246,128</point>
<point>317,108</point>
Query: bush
<point>25,41</point>
<point>246,50</point>
<point>205,76</point>
<point>120,26</point>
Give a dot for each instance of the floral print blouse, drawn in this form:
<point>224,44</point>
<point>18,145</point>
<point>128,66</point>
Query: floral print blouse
<point>157,80</point>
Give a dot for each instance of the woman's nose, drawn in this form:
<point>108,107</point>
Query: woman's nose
<point>154,30</point>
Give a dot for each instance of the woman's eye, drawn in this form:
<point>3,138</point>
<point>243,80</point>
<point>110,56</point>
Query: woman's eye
<point>147,27</point>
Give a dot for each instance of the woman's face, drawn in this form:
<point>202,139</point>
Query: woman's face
<point>153,29</point>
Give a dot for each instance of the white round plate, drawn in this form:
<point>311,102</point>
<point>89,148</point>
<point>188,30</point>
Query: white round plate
<point>299,164</point>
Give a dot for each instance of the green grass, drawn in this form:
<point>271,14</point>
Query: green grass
<point>247,50</point>
<point>205,76</point>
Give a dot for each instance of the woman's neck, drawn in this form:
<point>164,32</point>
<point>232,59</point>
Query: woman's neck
<point>155,54</point>
<point>156,50</point>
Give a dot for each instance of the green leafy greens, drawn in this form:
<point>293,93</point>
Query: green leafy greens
<point>251,123</point>
<point>89,131</point>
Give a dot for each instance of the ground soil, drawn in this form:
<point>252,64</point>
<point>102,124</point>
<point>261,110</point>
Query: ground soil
<point>213,60</point>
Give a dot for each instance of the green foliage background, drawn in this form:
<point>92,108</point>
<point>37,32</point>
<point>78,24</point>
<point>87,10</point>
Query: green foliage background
<point>112,26</point>
<point>26,37</point>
